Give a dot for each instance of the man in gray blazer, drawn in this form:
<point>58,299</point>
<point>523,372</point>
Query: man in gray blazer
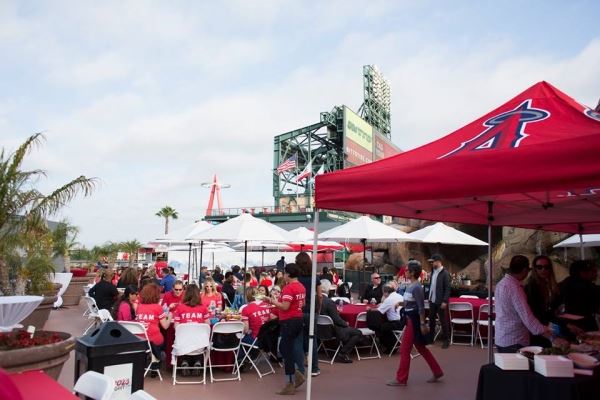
<point>439,295</point>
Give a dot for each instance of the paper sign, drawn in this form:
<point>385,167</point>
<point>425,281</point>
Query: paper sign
<point>123,376</point>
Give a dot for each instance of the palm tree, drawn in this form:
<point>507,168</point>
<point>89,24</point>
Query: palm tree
<point>167,212</point>
<point>63,239</point>
<point>20,201</point>
<point>132,247</point>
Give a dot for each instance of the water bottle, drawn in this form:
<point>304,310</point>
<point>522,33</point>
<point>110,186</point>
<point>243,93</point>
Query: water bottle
<point>373,301</point>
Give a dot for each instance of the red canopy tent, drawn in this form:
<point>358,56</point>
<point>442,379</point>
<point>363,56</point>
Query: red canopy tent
<point>533,162</point>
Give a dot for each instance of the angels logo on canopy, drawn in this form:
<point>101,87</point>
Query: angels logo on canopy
<point>504,130</point>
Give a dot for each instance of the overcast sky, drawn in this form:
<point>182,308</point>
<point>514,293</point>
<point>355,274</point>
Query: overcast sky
<point>153,98</point>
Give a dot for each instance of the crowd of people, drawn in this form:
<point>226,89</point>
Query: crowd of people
<point>528,304</point>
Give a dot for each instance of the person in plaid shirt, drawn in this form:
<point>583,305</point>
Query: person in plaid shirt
<point>514,319</point>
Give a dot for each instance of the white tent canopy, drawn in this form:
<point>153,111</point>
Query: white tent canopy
<point>442,233</point>
<point>584,241</point>
<point>365,228</point>
<point>243,228</point>
<point>303,236</point>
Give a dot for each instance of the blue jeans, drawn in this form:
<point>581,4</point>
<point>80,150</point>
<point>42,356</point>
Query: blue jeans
<point>291,343</point>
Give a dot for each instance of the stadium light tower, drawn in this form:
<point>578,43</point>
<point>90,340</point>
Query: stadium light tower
<point>215,188</point>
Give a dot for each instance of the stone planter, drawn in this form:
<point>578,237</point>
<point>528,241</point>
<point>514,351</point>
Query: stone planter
<point>49,357</point>
<point>72,295</point>
<point>40,315</point>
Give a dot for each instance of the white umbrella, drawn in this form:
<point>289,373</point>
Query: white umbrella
<point>303,237</point>
<point>442,233</point>
<point>261,246</point>
<point>244,228</point>
<point>580,241</point>
<point>364,228</point>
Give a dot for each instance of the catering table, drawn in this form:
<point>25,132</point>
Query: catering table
<point>14,309</point>
<point>349,312</point>
<point>36,385</point>
<point>497,384</point>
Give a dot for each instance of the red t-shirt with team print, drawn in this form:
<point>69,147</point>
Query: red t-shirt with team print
<point>149,315</point>
<point>257,313</point>
<point>295,294</point>
<point>185,313</point>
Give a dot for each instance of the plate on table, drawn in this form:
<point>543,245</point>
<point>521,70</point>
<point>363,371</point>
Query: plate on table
<point>583,360</point>
<point>530,351</point>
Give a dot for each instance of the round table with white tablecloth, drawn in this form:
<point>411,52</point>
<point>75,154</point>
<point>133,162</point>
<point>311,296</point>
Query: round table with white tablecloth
<point>14,309</point>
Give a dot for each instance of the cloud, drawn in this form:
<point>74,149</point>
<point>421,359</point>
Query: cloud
<point>155,99</point>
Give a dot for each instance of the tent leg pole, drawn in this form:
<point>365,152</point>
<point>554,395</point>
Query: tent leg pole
<point>313,286</point>
<point>581,250</point>
<point>490,270</point>
<point>189,261</point>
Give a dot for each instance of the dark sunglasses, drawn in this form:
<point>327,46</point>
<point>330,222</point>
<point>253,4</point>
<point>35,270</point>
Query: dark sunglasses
<point>541,267</point>
<point>178,290</point>
<point>376,277</point>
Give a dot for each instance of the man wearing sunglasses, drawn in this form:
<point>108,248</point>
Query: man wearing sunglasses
<point>374,290</point>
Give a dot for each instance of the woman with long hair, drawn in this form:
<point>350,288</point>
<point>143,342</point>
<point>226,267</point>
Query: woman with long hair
<point>279,281</point>
<point>191,308</point>
<point>150,314</point>
<point>124,309</point>
<point>416,329</point>
<point>210,296</point>
<point>543,295</point>
<point>128,277</point>
<point>304,264</point>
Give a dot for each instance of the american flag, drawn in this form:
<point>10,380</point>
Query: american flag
<point>287,165</point>
<point>305,173</point>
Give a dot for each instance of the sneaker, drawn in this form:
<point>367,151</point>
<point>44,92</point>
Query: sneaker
<point>185,372</point>
<point>299,379</point>
<point>316,373</point>
<point>198,364</point>
<point>435,378</point>
<point>394,382</point>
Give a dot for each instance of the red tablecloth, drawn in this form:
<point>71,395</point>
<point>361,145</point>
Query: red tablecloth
<point>36,385</point>
<point>349,312</point>
<point>476,303</point>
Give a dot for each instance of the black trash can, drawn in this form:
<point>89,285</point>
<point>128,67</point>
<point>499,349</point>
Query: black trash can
<point>114,351</point>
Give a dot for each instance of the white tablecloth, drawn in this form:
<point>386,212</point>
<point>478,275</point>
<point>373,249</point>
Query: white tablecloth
<point>14,309</point>
<point>64,278</point>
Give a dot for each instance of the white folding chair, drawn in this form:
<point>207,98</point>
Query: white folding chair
<point>344,299</point>
<point>458,312</point>
<point>141,395</point>
<point>104,315</point>
<point>482,320</point>
<point>248,348</point>
<point>91,313</point>
<point>468,296</point>
<point>325,333</point>
<point>398,334</point>
<point>139,330</point>
<point>226,328</point>
<point>362,317</point>
<point>95,385</point>
<point>191,339</point>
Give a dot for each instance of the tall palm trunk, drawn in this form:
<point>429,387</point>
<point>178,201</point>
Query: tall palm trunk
<point>166,225</point>
<point>67,261</point>
<point>4,278</point>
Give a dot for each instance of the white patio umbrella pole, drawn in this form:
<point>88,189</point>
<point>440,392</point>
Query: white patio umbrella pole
<point>490,269</point>
<point>201,255</point>
<point>313,288</point>
<point>245,266</point>
<point>581,250</point>
<point>189,260</point>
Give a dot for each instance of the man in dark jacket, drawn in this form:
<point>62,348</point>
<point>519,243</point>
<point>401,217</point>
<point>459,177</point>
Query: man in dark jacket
<point>348,336</point>
<point>374,290</point>
<point>439,295</point>
<point>228,289</point>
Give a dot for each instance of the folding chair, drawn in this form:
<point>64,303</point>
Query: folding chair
<point>226,328</point>
<point>326,333</point>
<point>191,339</point>
<point>362,317</point>
<point>141,395</point>
<point>104,315</point>
<point>248,348</point>
<point>482,320</point>
<point>458,312</point>
<point>138,329</point>
<point>95,385</point>
<point>92,313</point>
<point>398,334</point>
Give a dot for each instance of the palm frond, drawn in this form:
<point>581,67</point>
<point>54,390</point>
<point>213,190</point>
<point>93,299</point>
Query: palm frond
<point>54,201</point>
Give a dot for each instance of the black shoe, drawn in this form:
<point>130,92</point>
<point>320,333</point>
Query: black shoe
<point>445,345</point>
<point>153,374</point>
<point>343,358</point>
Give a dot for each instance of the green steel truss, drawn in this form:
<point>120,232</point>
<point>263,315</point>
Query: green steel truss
<point>321,144</point>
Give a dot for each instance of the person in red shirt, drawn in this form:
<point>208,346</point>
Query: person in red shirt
<point>150,314</point>
<point>250,280</point>
<point>210,296</point>
<point>255,314</point>
<point>172,298</point>
<point>265,280</point>
<point>290,307</point>
<point>191,308</point>
<point>124,310</point>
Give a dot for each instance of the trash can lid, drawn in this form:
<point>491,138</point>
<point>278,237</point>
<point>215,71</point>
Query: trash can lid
<point>111,333</point>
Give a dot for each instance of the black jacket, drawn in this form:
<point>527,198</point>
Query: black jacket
<point>371,292</point>
<point>442,287</point>
<point>340,327</point>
